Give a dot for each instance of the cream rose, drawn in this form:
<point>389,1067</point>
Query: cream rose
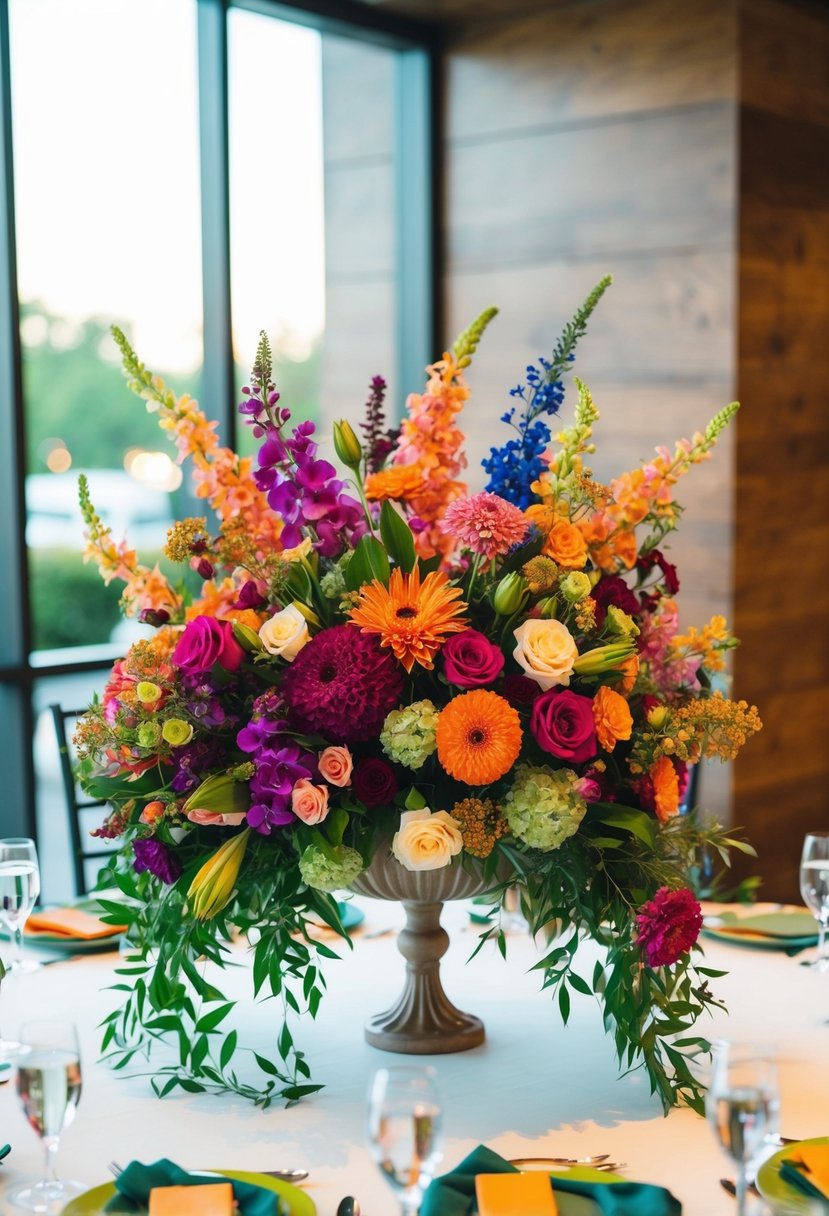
<point>546,651</point>
<point>285,633</point>
<point>335,766</point>
<point>309,802</point>
<point>427,840</point>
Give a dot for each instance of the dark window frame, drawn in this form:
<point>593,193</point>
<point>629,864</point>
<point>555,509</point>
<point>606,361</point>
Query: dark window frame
<point>418,307</point>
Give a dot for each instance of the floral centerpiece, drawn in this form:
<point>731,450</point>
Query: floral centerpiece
<point>382,661</point>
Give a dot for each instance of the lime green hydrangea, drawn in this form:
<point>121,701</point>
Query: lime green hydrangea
<point>332,583</point>
<point>331,868</point>
<point>619,623</point>
<point>409,735</point>
<point>542,807</point>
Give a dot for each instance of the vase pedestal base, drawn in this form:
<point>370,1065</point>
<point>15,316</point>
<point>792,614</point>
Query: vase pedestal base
<point>423,1021</point>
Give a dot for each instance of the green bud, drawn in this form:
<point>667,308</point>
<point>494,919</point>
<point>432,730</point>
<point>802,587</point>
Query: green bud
<point>509,594</point>
<point>176,732</point>
<point>247,638</point>
<point>548,607</point>
<point>347,445</point>
<point>575,587</point>
<point>603,658</point>
<point>149,734</point>
<point>618,622</point>
<point>219,793</point>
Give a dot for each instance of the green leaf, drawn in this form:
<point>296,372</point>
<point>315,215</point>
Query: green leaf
<point>640,825</point>
<point>370,562</point>
<point>228,1048</point>
<point>580,985</point>
<point>564,1003</point>
<point>266,1065</point>
<point>209,1021</point>
<point>397,537</point>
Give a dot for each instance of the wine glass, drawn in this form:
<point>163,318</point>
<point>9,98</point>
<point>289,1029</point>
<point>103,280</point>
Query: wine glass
<point>742,1104</point>
<point>19,888</point>
<point>49,1086</point>
<point>404,1130</point>
<point>814,887</point>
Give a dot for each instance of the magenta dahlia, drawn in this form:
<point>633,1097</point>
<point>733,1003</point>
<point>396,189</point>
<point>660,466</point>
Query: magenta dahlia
<point>668,926</point>
<point>485,524</point>
<point>342,684</point>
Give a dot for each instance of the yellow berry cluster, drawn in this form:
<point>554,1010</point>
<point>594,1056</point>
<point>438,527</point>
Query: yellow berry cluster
<point>481,824</point>
<point>182,537</point>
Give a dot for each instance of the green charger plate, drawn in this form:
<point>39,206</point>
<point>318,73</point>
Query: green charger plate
<point>774,1188</point>
<point>782,933</point>
<point>91,1203</point>
<point>65,943</point>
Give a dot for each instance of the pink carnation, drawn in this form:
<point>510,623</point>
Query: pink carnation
<point>485,523</point>
<point>668,926</point>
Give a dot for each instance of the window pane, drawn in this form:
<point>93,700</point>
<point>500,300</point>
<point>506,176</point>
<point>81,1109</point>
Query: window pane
<point>108,230</point>
<point>276,203</point>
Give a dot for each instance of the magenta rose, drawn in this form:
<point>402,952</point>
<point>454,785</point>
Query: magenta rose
<point>374,782</point>
<point>562,722</point>
<point>470,660</point>
<point>205,642</point>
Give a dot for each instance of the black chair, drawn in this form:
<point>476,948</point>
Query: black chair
<point>75,805</point>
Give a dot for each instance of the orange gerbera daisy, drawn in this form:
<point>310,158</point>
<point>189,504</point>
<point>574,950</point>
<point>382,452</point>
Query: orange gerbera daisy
<point>479,737</point>
<point>411,617</point>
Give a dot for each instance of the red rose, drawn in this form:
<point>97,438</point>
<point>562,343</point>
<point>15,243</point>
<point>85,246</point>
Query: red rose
<point>562,723</point>
<point>205,642</point>
<point>374,782</point>
<point>520,692</point>
<point>470,660</point>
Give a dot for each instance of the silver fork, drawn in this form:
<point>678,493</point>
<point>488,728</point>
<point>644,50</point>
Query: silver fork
<point>284,1175</point>
<point>595,1160</point>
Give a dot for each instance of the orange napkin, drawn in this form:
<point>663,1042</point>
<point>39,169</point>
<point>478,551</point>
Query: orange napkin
<point>816,1159</point>
<point>506,1194</point>
<point>70,922</point>
<point>212,1199</point>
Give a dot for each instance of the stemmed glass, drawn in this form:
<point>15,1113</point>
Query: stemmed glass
<point>19,889</point>
<point>404,1130</point>
<point>743,1105</point>
<point>814,887</point>
<point>49,1086</point>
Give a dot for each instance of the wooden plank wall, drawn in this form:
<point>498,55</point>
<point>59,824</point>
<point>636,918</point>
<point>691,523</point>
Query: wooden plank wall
<point>601,136</point>
<point>782,461</point>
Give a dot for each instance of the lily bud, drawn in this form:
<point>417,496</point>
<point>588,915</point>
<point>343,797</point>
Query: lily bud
<point>219,794</point>
<point>247,638</point>
<point>509,594</point>
<point>347,445</point>
<point>547,607</point>
<point>603,658</point>
<point>309,614</point>
<point>213,887</point>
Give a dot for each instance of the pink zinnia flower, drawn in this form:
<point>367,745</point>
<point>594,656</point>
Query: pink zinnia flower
<point>485,523</point>
<point>668,926</point>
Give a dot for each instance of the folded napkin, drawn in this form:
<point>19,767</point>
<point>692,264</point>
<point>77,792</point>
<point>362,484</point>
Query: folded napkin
<point>70,922</point>
<point>133,1186</point>
<point>454,1194</point>
<point>807,1169</point>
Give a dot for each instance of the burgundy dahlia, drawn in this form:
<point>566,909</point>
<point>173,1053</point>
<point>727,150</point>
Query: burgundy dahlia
<point>668,926</point>
<point>342,685</point>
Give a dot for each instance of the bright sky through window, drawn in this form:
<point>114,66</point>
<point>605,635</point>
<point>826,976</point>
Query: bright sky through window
<point>105,113</point>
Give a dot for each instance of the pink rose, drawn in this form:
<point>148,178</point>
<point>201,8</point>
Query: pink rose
<point>562,723</point>
<point>216,819</point>
<point>335,766</point>
<point>470,660</point>
<point>309,802</point>
<point>205,642</point>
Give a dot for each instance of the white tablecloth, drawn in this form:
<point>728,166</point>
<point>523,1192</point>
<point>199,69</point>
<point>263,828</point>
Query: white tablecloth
<point>534,1088</point>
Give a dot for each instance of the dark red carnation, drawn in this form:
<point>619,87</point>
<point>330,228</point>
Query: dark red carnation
<point>374,783</point>
<point>342,685</point>
<point>670,578</point>
<point>668,926</point>
<point>520,691</point>
<point>613,590</point>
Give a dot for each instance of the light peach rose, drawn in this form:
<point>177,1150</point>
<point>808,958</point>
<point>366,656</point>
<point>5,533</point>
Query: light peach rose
<point>309,802</point>
<point>427,840</point>
<point>216,819</point>
<point>335,766</point>
<point>285,633</point>
<point>546,651</point>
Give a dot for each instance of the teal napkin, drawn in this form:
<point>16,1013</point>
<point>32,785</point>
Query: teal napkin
<point>135,1183</point>
<point>454,1193</point>
<point>795,1177</point>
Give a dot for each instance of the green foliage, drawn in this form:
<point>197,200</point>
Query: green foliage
<point>573,331</point>
<point>370,561</point>
<point>397,537</point>
<point>466,343</point>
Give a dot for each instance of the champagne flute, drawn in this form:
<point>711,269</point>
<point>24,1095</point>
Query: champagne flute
<point>49,1086</point>
<point>814,887</point>
<point>742,1105</point>
<point>19,889</point>
<point>404,1130</point>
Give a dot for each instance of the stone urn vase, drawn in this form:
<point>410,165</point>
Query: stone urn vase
<point>423,1021</point>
